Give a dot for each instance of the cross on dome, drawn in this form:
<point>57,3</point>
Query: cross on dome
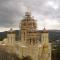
<point>28,12</point>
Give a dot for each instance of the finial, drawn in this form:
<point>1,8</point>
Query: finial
<point>11,29</point>
<point>28,12</point>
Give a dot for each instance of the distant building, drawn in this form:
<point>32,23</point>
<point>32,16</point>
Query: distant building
<point>32,42</point>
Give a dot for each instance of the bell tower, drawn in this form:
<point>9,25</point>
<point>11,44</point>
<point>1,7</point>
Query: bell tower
<point>11,37</point>
<point>27,25</point>
<point>44,36</point>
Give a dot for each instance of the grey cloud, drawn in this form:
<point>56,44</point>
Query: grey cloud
<point>8,13</point>
<point>40,7</point>
<point>11,11</point>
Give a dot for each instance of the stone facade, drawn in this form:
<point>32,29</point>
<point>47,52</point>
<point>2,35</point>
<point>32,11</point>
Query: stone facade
<point>32,42</point>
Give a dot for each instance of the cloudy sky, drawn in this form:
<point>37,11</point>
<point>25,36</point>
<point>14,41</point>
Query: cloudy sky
<point>46,12</point>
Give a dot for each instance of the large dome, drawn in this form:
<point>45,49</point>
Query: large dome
<point>28,22</point>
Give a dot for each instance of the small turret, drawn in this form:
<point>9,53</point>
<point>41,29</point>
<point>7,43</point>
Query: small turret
<point>44,36</point>
<point>44,30</point>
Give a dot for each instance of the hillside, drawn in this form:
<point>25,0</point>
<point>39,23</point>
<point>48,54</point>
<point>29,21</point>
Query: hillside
<point>53,35</point>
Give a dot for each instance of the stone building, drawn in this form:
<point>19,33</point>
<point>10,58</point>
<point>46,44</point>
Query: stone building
<point>32,42</point>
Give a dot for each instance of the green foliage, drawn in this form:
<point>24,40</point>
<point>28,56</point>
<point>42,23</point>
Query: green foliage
<point>56,53</point>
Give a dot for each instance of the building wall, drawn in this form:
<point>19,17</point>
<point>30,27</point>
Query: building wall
<point>11,38</point>
<point>33,43</point>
